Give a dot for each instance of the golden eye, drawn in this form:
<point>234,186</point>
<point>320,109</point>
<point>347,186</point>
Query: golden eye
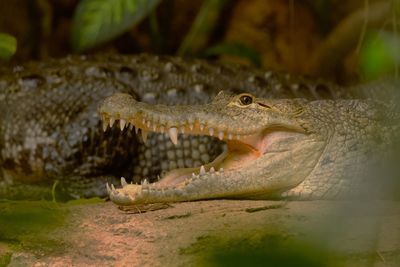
<point>246,100</point>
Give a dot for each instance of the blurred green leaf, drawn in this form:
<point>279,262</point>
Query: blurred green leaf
<point>380,55</point>
<point>8,46</point>
<point>22,219</point>
<point>203,26</point>
<point>155,33</point>
<point>235,49</point>
<point>259,248</point>
<point>98,21</point>
<point>28,225</point>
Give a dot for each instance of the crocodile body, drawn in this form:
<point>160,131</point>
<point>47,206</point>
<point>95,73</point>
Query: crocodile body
<point>50,130</point>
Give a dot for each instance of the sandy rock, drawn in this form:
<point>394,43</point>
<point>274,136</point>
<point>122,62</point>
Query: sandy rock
<point>214,232</point>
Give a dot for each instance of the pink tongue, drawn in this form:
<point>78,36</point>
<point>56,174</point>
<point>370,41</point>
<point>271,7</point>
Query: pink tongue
<point>238,160</point>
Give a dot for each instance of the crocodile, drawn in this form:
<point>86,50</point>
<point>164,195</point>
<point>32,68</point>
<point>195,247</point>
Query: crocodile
<point>293,148</point>
<point>51,134</point>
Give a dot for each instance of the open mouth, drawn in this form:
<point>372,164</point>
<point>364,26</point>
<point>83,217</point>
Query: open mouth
<point>242,148</point>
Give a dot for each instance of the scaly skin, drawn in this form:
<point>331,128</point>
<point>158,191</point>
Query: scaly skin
<point>50,130</point>
<point>293,148</point>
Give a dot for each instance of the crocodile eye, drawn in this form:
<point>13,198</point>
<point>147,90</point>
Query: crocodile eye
<point>246,100</point>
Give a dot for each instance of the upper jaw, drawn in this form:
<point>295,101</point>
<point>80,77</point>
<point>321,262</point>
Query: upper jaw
<point>245,140</point>
<point>193,120</point>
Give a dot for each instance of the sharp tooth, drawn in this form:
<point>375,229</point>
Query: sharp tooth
<point>191,126</point>
<point>221,169</point>
<point>182,129</point>
<point>123,182</point>
<point>111,122</point>
<point>108,188</point>
<point>230,136</point>
<point>144,135</point>
<point>154,128</point>
<point>145,182</point>
<point>105,126</point>
<point>202,170</point>
<point>112,187</point>
<point>221,135</point>
<point>201,127</point>
<point>193,175</point>
<point>136,130</point>
<point>212,170</point>
<point>144,121</point>
<point>173,135</point>
<point>131,126</point>
<point>211,131</point>
<point>122,124</point>
<point>148,124</point>
<point>158,178</point>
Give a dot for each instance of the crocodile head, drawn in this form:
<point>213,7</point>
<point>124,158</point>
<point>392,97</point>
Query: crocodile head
<point>271,147</point>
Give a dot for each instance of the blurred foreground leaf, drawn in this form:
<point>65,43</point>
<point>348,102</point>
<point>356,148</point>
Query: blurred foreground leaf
<point>8,46</point>
<point>259,249</point>
<point>98,21</point>
<point>380,55</point>
<point>22,220</point>
<point>235,49</point>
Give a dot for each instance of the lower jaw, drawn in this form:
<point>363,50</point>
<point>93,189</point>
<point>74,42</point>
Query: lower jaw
<point>237,155</point>
<point>229,160</point>
<point>158,156</point>
<point>178,176</point>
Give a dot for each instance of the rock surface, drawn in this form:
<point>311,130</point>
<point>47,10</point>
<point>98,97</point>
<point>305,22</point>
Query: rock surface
<point>222,232</point>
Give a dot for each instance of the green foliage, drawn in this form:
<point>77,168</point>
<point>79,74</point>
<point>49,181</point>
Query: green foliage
<point>98,21</point>
<point>28,225</point>
<point>8,46</point>
<point>202,28</point>
<point>156,37</point>
<point>21,220</point>
<point>235,49</point>
<point>26,220</point>
<point>380,55</point>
